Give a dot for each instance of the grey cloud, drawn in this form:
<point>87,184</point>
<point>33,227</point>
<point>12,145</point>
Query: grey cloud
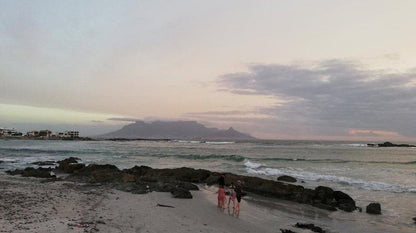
<point>97,121</point>
<point>332,97</point>
<point>123,119</point>
<point>367,134</point>
<point>218,113</point>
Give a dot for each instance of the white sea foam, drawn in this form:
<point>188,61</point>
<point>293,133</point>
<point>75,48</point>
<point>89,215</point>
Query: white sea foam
<point>358,145</point>
<point>311,176</point>
<point>251,165</point>
<point>219,143</point>
<point>184,141</point>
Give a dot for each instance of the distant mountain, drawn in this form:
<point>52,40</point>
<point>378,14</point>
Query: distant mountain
<point>175,130</point>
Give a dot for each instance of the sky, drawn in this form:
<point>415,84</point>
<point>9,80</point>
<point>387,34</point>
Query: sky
<point>320,69</point>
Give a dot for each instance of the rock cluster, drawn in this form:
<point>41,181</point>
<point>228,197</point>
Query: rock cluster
<point>179,181</point>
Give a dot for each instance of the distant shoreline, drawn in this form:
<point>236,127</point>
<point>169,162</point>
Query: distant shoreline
<point>48,139</point>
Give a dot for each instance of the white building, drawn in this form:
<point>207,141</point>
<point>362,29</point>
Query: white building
<point>5,132</point>
<point>68,134</point>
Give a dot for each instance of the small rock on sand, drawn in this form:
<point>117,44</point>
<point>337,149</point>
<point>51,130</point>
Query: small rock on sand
<point>373,208</point>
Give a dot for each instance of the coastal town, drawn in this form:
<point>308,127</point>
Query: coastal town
<point>45,134</point>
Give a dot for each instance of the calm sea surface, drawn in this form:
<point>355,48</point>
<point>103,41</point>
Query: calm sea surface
<point>385,175</point>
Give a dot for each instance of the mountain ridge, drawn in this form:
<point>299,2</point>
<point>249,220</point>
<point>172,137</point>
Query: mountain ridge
<point>174,130</point>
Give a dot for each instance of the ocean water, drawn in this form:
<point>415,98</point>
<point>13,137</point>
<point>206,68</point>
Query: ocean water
<point>368,174</point>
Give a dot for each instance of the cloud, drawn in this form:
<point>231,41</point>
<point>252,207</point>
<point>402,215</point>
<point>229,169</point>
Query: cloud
<point>123,119</point>
<point>371,133</point>
<point>331,97</point>
<point>97,121</point>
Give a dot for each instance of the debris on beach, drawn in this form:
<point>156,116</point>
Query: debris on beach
<point>168,206</point>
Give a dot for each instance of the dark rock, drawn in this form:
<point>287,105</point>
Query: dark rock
<point>373,208</point>
<point>32,172</point>
<point>138,171</point>
<point>389,144</point>
<point>95,173</point>
<point>286,231</point>
<point>287,179</point>
<point>74,167</point>
<point>70,165</point>
<point>181,193</point>
<point>126,178</point>
<point>187,186</point>
<point>310,226</point>
<point>45,163</point>
<point>344,201</point>
<point>414,219</point>
<point>324,194</point>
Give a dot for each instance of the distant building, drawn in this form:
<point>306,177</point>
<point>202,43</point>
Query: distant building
<point>5,132</point>
<point>45,133</point>
<point>72,134</point>
<point>68,134</point>
<point>32,134</point>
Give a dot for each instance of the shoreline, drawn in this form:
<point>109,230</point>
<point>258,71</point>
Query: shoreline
<point>34,205</point>
<point>86,194</point>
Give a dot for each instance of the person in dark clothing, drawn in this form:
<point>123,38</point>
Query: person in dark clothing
<point>239,193</point>
<point>221,192</point>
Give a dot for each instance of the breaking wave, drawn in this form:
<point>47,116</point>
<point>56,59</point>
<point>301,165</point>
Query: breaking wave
<point>311,176</point>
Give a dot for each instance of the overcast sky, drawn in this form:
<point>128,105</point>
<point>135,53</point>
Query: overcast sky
<point>274,69</point>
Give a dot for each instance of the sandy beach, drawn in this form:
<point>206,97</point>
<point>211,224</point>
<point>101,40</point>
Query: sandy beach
<point>31,205</point>
<point>39,205</point>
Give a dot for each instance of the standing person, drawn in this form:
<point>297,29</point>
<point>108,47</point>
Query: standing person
<point>232,197</point>
<point>238,194</point>
<point>221,192</point>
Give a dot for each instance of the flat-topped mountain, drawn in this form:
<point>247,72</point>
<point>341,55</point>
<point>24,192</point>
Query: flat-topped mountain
<point>175,130</point>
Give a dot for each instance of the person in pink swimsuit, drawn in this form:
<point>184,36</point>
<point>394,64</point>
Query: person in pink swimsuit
<point>221,192</point>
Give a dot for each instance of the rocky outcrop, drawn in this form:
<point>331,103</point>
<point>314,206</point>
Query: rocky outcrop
<point>373,208</point>
<point>287,179</point>
<point>389,144</point>
<point>181,193</point>
<point>70,165</point>
<point>143,179</point>
<point>33,172</point>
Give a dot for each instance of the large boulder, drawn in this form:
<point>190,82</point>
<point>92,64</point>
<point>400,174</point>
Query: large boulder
<point>33,172</point>
<point>325,194</point>
<point>70,165</point>
<point>287,179</point>
<point>344,201</point>
<point>373,208</point>
<point>181,193</point>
